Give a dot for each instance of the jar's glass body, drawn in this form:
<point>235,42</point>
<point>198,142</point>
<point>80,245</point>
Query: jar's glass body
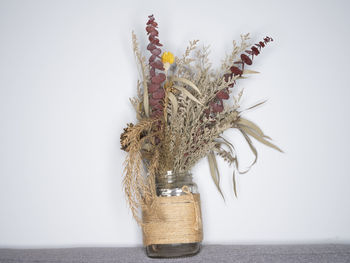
<point>169,185</point>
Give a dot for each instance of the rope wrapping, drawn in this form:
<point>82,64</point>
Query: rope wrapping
<point>173,220</point>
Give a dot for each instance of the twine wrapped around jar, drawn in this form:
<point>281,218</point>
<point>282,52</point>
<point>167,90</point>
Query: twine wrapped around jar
<point>173,219</point>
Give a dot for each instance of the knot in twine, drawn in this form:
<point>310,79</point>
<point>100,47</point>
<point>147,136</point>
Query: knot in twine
<point>198,217</point>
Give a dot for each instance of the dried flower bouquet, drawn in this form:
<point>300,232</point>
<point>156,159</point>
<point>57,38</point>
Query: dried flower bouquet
<point>181,114</point>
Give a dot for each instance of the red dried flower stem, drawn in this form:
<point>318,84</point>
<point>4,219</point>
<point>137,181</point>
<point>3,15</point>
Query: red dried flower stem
<point>217,104</point>
<point>155,89</point>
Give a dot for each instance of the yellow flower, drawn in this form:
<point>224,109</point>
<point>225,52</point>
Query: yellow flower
<point>168,57</point>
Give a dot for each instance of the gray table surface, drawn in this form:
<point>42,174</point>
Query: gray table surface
<point>209,253</point>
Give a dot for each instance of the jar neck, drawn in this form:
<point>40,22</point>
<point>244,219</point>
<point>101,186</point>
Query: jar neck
<point>173,180</point>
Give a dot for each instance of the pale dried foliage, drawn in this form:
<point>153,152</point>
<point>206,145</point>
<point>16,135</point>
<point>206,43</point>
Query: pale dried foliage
<point>185,134</point>
<point>236,50</point>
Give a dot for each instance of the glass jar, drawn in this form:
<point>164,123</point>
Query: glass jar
<point>175,184</point>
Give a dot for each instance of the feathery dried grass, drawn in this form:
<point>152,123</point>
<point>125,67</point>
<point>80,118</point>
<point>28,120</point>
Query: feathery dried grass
<point>186,133</point>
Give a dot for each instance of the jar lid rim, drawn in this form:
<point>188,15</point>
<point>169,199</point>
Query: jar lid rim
<point>172,173</point>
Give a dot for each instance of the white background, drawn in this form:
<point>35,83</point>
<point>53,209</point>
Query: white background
<point>67,71</point>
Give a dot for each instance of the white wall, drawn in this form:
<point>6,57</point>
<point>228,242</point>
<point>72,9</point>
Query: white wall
<point>67,71</point>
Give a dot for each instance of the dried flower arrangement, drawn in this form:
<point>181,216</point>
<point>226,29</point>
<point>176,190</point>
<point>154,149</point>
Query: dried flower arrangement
<point>181,114</point>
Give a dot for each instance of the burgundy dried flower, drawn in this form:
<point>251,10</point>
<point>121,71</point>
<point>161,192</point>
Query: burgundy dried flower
<point>246,59</point>
<point>236,71</point>
<point>155,89</point>
<point>217,105</point>
<point>222,95</point>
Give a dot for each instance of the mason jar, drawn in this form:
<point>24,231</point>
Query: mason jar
<point>176,185</point>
